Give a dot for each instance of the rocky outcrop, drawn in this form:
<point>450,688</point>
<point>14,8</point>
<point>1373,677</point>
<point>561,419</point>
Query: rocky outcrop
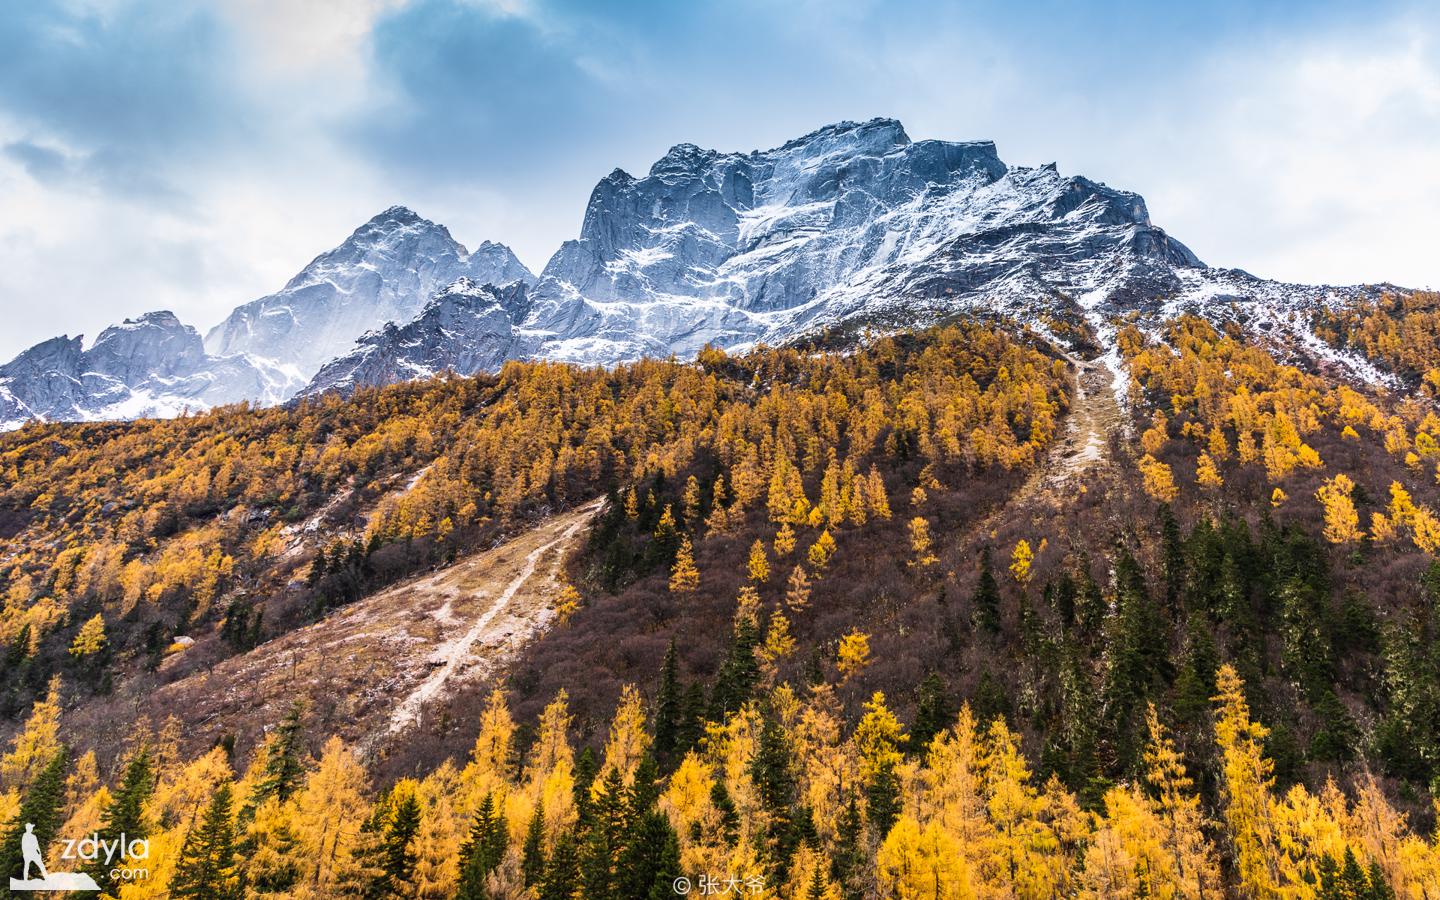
<point>731,248</point>
<point>466,329</point>
<point>852,223</point>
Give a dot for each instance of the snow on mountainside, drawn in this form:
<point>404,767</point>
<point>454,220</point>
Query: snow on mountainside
<point>851,223</point>
<point>148,366</point>
<point>266,350</point>
<point>857,222</point>
<point>851,220</point>
<point>466,328</point>
<point>384,272</point>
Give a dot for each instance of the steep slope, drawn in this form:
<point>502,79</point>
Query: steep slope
<point>467,328</point>
<point>1113,584</point>
<point>384,272</point>
<point>377,669</point>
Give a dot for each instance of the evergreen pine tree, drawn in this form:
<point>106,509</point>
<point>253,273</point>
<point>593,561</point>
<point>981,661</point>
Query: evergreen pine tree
<point>986,601</point>
<point>816,887</point>
<point>562,871</point>
<point>126,812</point>
<point>691,727</point>
<point>933,713</point>
<point>650,862</point>
<point>398,848</point>
<point>882,799</point>
<point>284,769</point>
<point>532,856</point>
<point>1062,594</point>
<point>586,768</point>
<point>483,851</point>
<point>1334,740</point>
<point>1090,605</point>
<point>848,859</point>
<point>739,673</point>
<point>1379,888</point>
<point>771,770</point>
<point>604,840</point>
<point>725,807</point>
<point>42,806</point>
<point>1137,659</point>
<point>668,705</point>
<point>1195,684</point>
<point>1172,558</point>
<point>206,869</point>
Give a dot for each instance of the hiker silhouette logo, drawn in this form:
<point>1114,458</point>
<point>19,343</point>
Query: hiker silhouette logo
<point>34,876</point>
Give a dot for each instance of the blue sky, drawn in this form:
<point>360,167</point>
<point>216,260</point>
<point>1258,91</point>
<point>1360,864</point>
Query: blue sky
<point>194,155</point>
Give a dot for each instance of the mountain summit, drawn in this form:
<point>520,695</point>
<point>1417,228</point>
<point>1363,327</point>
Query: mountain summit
<point>384,272</point>
<point>854,219</point>
<point>854,222</point>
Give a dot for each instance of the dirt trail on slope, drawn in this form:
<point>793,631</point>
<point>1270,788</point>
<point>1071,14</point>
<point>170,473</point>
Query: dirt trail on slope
<point>373,669</point>
<point>1093,416</point>
<point>455,655</point>
<point>1083,446</point>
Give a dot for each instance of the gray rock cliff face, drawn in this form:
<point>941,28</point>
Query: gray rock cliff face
<point>152,365</point>
<point>849,220</point>
<point>466,329</point>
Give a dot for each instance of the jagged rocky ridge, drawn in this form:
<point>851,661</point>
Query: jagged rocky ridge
<point>853,222</point>
<point>149,366</point>
<point>265,351</point>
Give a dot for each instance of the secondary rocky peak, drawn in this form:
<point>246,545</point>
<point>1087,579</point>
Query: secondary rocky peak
<point>398,215</point>
<point>156,343</point>
<point>875,134</point>
<point>466,328</point>
<point>683,158</point>
<point>62,353</point>
<point>383,272</point>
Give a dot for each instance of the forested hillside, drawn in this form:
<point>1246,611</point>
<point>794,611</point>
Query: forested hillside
<point>943,614</point>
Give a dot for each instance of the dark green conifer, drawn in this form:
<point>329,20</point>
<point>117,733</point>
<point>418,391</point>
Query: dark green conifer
<point>986,601</point>
<point>668,702</point>
<point>125,813</point>
<point>42,807</point>
<point>933,713</point>
<point>207,869</point>
<point>532,855</point>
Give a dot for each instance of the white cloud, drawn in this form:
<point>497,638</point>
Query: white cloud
<point>1316,162</point>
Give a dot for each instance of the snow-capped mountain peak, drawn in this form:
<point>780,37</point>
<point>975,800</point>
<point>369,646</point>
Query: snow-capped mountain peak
<point>851,222</point>
<point>382,272</point>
